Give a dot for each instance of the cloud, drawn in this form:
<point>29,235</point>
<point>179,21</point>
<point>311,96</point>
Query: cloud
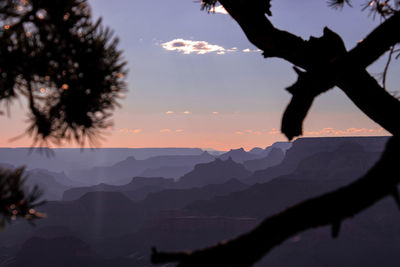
<point>187,112</point>
<point>179,131</point>
<point>133,131</point>
<point>329,131</point>
<point>248,50</point>
<point>165,131</point>
<point>169,112</point>
<point>215,112</point>
<point>220,10</point>
<point>200,47</point>
<point>348,131</point>
<point>197,47</point>
<point>274,131</point>
<point>249,131</point>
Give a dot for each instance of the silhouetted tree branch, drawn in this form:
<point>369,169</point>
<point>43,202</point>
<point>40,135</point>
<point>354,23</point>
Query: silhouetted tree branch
<point>321,63</point>
<point>70,71</point>
<point>329,209</point>
<point>15,201</point>
<point>325,61</point>
<point>65,64</point>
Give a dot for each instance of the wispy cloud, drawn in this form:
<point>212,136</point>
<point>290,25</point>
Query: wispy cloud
<point>169,112</point>
<point>200,47</point>
<point>274,131</point>
<point>248,50</point>
<point>197,47</point>
<point>220,10</point>
<point>329,131</point>
<point>348,131</point>
<point>215,112</point>
<point>249,131</point>
<point>133,131</point>
<point>187,112</point>
<point>171,131</point>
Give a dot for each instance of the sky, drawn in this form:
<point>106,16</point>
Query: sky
<point>196,81</point>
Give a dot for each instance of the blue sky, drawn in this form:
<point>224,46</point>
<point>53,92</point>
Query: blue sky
<point>216,100</point>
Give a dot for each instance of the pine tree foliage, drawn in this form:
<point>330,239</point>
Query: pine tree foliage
<point>66,65</point>
<point>16,201</point>
<point>70,71</point>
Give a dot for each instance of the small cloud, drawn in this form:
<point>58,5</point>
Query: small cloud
<point>169,112</point>
<point>165,130</point>
<point>248,50</point>
<point>220,10</point>
<point>274,131</point>
<point>197,47</point>
<point>187,112</point>
<point>329,131</point>
<point>239,133</point>
<point>179,131</point>
<point>215,112</point>
<point>249,131</point>
<point>133,131</point>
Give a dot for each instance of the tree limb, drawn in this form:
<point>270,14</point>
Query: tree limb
<point>328,209</point>
<point>326,63</point>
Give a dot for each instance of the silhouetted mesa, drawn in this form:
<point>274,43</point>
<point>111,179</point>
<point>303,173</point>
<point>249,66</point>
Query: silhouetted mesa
<point>218,171</point>
<point>304,147</point>
<point>136,189</point>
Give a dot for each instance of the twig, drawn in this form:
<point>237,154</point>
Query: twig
<point>387,67</point>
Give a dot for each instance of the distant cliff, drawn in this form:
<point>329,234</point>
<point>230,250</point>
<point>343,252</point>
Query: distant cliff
<point>305,147</point>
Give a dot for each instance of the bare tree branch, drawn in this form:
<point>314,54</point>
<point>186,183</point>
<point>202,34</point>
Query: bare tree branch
<point>325,61</point>
<point>385,71</point>
<point>332,208</point>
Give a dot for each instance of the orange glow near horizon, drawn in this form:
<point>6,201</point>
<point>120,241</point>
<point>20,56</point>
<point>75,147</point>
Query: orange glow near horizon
<point>207,130</point>
<point>247,139</point>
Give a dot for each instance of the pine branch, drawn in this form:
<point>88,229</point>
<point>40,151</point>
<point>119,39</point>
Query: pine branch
<point>15,200</point>
<point>67,65</point>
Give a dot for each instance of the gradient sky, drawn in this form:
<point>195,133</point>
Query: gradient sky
<point>196,81</point>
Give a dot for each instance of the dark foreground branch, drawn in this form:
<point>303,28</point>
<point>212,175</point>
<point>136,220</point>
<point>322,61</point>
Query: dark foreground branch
<point>15,201</point>
<point>327,64</point>
<point>329,209</point>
